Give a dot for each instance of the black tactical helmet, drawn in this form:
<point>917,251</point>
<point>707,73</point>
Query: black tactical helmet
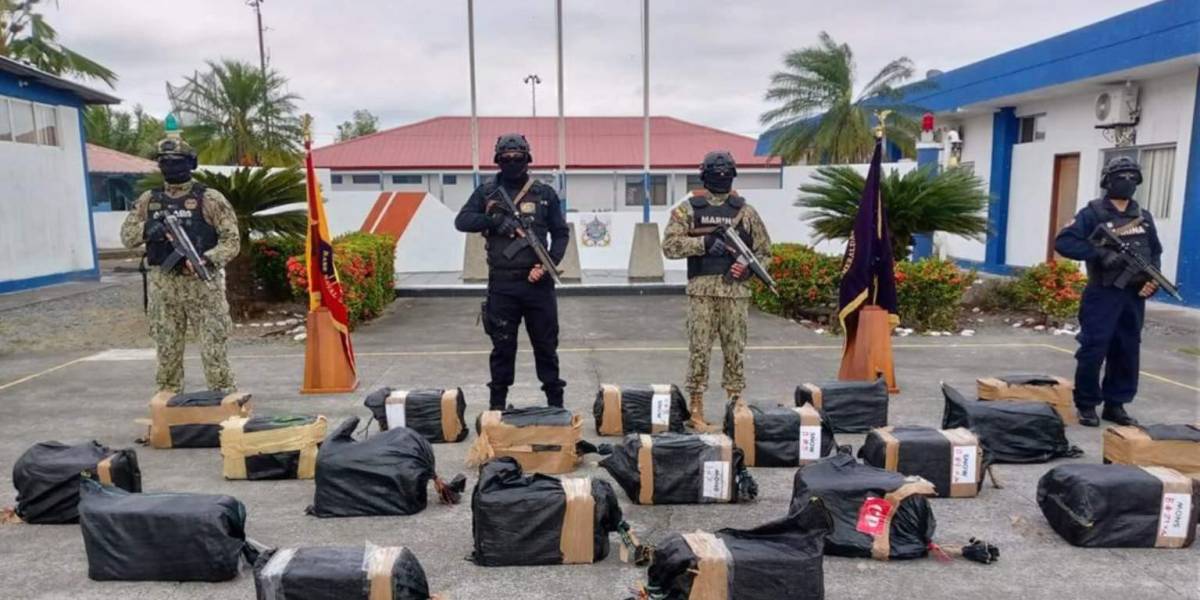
<point>718,162</point>
<point>512,142</point>
<point>1120,164</point>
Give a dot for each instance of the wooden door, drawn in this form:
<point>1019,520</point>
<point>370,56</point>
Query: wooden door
<point>1063,197</point>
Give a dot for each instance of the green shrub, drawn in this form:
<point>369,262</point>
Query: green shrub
<point>269,256</point>
<point>929,293</point>
<point>1052,289</point>
<point>807,279</point>
<point>365,264</point>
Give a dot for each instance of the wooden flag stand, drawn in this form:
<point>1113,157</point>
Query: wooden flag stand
<point>868,350</point>
<point>327,369</point>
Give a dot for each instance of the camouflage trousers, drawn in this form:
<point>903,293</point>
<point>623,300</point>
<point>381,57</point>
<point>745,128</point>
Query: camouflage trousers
<point>177,301</point>
<point>709,317</point>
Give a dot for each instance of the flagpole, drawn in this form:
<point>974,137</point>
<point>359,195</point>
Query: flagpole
<point>562,122</point>
<point>646,111</point>
<point>474,117</point>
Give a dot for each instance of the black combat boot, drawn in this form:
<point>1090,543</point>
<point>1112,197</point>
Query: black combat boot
<point>1115,413</point>
<point>554,398</point>
<point>1088,416</point>
<point>497,398</point>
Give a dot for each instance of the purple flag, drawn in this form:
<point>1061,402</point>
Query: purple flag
<point>867,276</point>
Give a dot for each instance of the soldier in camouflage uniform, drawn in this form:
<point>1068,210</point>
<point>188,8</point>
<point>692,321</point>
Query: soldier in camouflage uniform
<point>718,288</point>
<point>178,297</point>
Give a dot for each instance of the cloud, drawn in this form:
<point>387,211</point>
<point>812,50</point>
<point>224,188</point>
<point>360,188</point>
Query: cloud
<point>407,60</point>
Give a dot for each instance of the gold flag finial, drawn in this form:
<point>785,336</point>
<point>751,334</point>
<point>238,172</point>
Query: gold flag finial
<point>306,126</point>
<point>881,125</point>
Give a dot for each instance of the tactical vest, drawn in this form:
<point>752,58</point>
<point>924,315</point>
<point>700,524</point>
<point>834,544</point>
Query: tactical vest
<point>534,211</point>
<point>706,214</point>
<point>189,209</point>
<point>1134,231</point>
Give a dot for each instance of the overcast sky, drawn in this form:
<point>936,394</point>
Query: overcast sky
<point>406,60</point>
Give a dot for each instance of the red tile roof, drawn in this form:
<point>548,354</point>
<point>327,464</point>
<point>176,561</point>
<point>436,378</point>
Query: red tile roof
<point>592,143</point>
<point>107,160</point>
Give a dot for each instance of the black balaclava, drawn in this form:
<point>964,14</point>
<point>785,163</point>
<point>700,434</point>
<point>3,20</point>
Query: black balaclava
<point>1120,187</point>
<point>176,169</point>
<point>513,169</point>
<point>717,184</point>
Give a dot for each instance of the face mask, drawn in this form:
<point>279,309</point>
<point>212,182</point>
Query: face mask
<point>175,170</point>
<point>718,184</point>
<point>1121,188</point>
<point>512,170</point>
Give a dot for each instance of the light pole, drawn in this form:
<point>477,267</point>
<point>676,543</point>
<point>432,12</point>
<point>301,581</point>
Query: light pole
<point>262,59</point>
<point>533,80</point>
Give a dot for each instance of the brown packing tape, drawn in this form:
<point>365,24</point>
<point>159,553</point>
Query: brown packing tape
<point>451,425</point>
<point>381,560</point>
<point>815,392</point>
<point>1173,482</point>
<point>891,448</point>
<point>743,431</point>
<point>1059,396</point>
<point>646,470</point>
<point>963,438</point>
<point>881,547</point>
<point>1132,446</point>
<point>104,469</point>
<point>576,540</point>
<point>660,390</point>
<point>237,444</point>
<point>611,423</point>
<point>713,562</point>
<point>162,417</point>
<point>160,432</point>
<point>498,438</point>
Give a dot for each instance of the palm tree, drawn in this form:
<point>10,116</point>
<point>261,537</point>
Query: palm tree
<point>953,201</point>
<point>26,36</point>
<point>820,119</point>
<point>240,116</point>
<point>132,133</point>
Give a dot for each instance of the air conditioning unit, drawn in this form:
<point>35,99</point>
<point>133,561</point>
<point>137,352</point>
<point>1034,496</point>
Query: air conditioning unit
<point>1117,105</point>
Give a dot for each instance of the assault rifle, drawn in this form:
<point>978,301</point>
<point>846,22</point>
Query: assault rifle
<point>526,237</point>
<point>742,253</point>
<point>184,250</point>
<point>1105,237</point>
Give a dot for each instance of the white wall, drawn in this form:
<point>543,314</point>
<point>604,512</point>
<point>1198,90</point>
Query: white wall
<point>44,216</point>
<point>1167,106</point>
<point>977,150</point>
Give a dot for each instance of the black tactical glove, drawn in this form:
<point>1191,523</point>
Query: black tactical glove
<point>504,225</point>
<point>714,245</point>
<point>1110,258</point>
<point>154,231</point>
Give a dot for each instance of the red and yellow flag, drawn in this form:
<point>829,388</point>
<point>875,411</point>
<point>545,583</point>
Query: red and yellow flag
<point>324,287</point>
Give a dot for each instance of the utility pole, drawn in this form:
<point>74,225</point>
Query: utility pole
<point>262,61</point>
<point>646,110</point>
<point>474,116</point>
<point>533,80</point>
<point>562,123</point>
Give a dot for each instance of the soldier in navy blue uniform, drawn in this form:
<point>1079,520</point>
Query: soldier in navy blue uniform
<point>518,286</point>
<point>1114,301</point>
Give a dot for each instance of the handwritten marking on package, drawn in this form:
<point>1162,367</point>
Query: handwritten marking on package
<point>1176,512</point>
<point>965,469</point>
<point>716,479</point>
<point>660,409</point>
<point>810,442</point>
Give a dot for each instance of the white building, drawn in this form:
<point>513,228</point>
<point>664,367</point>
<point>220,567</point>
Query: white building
<point>603,159</point>
<point>46,231</point>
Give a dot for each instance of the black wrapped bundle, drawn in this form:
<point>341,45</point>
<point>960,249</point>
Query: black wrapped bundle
<point>952,460</point>
<point>544,439</point>
<point>625,409</point>
<point>193,420</point>
<point>161,537</point>
<point>781,559</point>
<point>47,478</point>
<point>876,513</point>
<point>385,474</point>
<point>1010,431</point>
<point>850,406</point>
<point>520,519</point>
<point>674,468</point>
<point>271,447</point>
<point>340,573</point>
<point>1120,506</point>
<point>780,436</point>
<point>435,414</point>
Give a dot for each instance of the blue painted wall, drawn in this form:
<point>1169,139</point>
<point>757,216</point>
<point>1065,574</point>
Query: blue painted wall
<point>1004,136</point>
<point>1187,269</point>
<point>10,85</point>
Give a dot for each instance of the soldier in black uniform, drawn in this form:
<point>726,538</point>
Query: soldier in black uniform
<point>518,286</point>
<point>1114,304</point>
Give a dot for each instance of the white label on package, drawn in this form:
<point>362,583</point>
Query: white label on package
<point>810,442</point>
<point>964,468</point>
<point>660,409</point>
<point>394,409</point>
<point>1176,513</point>
<point>716,479</point>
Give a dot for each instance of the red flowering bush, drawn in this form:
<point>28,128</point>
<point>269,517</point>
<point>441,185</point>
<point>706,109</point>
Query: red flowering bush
<point>1052,288</point>
<point>929,293</point>
<point>365,264</point>
<point>269,256</point>
<point>808,283</point>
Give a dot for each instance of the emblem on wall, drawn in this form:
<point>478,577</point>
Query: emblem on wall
<point>597,231</point>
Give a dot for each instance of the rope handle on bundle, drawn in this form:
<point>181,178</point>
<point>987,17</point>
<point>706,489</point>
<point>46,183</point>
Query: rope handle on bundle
<point>976,550</point>
<point>450,493</point>
<point>632,550</point>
